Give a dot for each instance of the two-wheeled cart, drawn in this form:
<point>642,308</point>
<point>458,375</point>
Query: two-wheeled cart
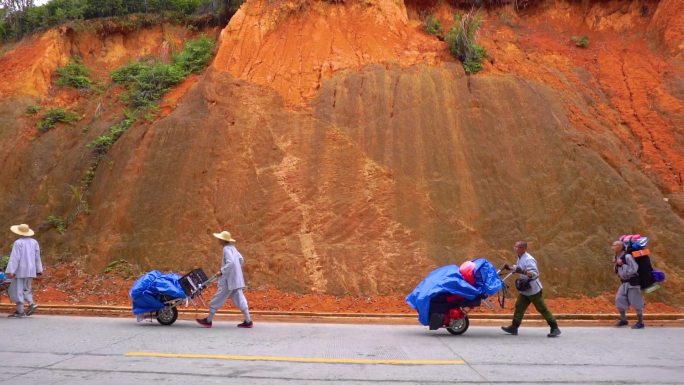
<point>192,284</point>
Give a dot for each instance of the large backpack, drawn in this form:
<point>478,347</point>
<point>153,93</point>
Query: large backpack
<point>635,244</point>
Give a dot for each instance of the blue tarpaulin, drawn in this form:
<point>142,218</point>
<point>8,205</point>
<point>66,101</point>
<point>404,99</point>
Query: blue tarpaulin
<point>146,291</point>
<point>449,280</point>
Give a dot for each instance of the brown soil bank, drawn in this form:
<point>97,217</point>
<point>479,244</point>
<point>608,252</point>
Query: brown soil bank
<point>349,154</point>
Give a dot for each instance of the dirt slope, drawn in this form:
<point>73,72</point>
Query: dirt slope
<point>349,154</point>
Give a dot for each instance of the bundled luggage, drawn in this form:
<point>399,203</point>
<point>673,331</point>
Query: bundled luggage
<point>635,244</point>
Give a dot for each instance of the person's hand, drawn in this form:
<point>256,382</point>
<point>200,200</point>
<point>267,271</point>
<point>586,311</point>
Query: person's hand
<point>529,274</point>
<point>619,262</point>
<point>10,275</point>
<point>220,273</point>
<point>39,274</point>
<point>507,266</point>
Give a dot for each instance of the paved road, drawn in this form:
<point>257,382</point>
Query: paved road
<point>87,350</point>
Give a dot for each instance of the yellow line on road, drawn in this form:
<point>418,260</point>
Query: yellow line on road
<point>316,360</point>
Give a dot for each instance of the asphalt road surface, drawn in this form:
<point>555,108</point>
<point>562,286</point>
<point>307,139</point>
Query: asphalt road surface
<point>87,350</point>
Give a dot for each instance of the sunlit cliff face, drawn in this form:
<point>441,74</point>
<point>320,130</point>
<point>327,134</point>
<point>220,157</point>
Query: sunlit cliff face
<point>349,153</point>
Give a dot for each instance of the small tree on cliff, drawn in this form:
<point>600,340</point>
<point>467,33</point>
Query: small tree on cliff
<point>461,39</point>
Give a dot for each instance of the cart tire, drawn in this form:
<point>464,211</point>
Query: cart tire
<point>167,315</point>
<point>459,326</point>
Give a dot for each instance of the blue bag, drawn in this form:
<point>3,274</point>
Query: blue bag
<point>147,291</point>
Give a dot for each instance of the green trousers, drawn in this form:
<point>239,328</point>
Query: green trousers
<point>537,300</point>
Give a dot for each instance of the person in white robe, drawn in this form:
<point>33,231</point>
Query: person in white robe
<point>230,284</point>
<point>23,266</point>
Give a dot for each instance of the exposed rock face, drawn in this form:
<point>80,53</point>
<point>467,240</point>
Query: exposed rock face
<point>352,168</point>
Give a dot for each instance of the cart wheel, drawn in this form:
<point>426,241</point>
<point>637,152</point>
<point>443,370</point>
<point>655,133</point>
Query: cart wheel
<point>167,315</point>
<point>458,326</point>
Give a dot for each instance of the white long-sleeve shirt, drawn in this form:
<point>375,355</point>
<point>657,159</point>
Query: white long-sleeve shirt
<point>231,268</point>
<point>24,261</point>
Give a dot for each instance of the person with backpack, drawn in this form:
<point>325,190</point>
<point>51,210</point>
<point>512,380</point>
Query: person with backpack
<point>530,291</point>
<point>629,291</point>
<point>230,284</point>
<point>23,266</point>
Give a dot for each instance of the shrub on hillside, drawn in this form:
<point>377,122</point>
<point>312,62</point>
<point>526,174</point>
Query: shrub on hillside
<point>104,142</point>
<point>55,115</point>
<point>195,56</point>
<point>461,39</point>
<point>57,222</point>
<point>74,74</point>
<point>148,81</point>
<point>433,26</point>
<point>32,110</point>
<point>581,41</point>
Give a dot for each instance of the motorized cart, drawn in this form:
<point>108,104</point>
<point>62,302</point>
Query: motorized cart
<point>448,293</point>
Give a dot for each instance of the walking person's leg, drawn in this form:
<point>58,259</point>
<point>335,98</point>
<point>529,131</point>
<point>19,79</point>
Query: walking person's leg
<point>216,302</point>
<point>521,305</point>
<point>636,299</point>
<point>239,299</point>
<point>28,296</point>
<point>622,304</point>
<point>16,294</point>
<point>540,305</point>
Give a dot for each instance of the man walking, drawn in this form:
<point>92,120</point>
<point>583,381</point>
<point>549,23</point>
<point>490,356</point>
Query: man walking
<point>230,283</point>
<point>530,291</point>
<point>629,291</point>
<point>24,264</point>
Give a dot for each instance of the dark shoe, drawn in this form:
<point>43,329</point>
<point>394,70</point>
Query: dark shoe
<point>621,323</point>
<point>246,325</point>
<point>436,321</point>
<point>32,309</point>
<point>16,315</point>
<point>513,330</point>
<point>638,325</point>
<point>555,332</point>
<point>203,322</point>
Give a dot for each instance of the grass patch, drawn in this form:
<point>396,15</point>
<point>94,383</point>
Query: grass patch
<point>75,74</point>
<point>54,116</point>
<point>121,267</point>
<point>4,260</point>
<point>461,39</point>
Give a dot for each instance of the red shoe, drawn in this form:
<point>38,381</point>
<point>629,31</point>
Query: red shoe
<point>203,322</point>
<point>246,325</point>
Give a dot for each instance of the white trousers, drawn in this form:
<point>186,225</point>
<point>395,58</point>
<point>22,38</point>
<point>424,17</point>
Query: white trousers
<point>20,292</point>
<point>222,295</point>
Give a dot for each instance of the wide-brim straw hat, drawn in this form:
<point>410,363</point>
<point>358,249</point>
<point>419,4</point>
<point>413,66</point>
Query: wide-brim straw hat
<point>22,229</point>
<point>225,236</point>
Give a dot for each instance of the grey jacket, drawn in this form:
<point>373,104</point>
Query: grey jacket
<point>527,263</point>
<point>231,268</point>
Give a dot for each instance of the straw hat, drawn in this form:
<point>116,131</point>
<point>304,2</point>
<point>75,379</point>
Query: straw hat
<point>225,236</point>
<point>22,229</point>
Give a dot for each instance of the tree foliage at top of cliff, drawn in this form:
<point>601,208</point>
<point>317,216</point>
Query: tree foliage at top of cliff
<point>22,17</point>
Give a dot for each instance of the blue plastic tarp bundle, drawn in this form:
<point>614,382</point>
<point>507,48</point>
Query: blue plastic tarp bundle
<point>448,279</point>
<point>146,291</point>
